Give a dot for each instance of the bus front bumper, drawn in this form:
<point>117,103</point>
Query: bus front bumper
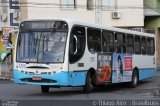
<point>56,79</point>
<point>64,78</point>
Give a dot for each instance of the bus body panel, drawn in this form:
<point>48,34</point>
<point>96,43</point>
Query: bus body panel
<point>146,66</point>
<point>144,61</point>
<point>147,73</point>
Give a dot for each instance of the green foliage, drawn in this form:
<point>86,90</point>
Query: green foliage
<point>4,54</point>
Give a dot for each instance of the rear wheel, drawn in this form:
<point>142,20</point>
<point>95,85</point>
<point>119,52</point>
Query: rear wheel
<point>88,84</point>
<point>135,79</point>
<point>44,89</point>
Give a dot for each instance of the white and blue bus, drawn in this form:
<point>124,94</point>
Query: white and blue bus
<point>70,53</point>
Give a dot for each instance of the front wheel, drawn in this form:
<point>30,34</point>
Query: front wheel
<point>135,79</point>
<point>88,84</point>
<point>44,89</point>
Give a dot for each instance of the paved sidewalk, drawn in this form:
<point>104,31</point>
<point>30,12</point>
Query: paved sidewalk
<point>6,78</point>
<point>158,73</point>
<point>6,71</point>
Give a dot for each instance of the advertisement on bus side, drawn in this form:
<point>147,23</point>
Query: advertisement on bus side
<point>104,66</point>
<point>121,68</point>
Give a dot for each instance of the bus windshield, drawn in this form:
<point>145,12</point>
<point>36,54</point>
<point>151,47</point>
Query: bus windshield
<point>41,46</point>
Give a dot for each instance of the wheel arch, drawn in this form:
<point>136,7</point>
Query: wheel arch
<point>137,70</point>
<point>93,75</point>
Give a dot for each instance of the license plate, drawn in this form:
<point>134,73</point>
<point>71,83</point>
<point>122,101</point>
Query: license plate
<point>36,78</point>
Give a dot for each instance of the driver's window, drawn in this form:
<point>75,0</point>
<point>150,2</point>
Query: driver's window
<point>77,43</point>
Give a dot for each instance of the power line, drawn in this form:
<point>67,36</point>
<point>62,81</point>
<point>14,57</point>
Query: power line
<point>55,5</point>
<point>78,7</point>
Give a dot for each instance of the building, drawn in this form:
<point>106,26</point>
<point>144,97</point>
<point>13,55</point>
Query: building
<point>9,21</point>
<point>119,13</point>
<point>9,18</point>
<point>152,22</point>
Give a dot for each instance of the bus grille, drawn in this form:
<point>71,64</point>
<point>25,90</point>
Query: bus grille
<point>38,81</point>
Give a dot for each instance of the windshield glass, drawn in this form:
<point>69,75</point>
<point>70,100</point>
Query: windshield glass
<point>41,46</point>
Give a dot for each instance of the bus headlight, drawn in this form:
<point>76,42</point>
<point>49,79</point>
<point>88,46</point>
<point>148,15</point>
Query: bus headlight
<point>22,71</point>
<point>61,68</point>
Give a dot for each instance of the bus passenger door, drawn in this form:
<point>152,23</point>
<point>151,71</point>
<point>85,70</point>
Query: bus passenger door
<point>76,59</point>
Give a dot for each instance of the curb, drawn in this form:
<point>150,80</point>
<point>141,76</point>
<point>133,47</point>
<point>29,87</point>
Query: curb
<point>158,73</point>
<point>6,78</point>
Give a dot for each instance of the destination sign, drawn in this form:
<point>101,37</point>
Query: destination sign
<point>35,25</point>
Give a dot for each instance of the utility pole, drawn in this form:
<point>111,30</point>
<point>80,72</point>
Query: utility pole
<point>98,12</point>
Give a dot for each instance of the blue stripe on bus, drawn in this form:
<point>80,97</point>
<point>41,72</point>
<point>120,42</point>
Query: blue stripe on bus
<point>146,73</point>
<point>65,78</point>
<point>78,78</point>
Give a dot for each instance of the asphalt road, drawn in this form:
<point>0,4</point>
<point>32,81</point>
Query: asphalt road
<point>147,90</point>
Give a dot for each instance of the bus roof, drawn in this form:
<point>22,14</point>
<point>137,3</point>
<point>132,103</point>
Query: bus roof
<point>83,23</point>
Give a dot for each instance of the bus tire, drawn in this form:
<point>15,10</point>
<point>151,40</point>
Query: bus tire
<point>44,89</point>
<point>135,79</point>
<point>88,84</point>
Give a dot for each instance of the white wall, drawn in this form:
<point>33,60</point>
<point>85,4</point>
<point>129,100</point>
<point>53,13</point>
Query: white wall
<point>132,13</point>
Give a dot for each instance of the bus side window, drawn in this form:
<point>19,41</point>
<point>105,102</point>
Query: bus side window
<point>150,46</point>
<point>94,40</point>
<point>143,45</point>
<point>137,45</point>
<point>77,43</point>
<point>130,44</point>
<point>120,43</point>
<point>108,41</point>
